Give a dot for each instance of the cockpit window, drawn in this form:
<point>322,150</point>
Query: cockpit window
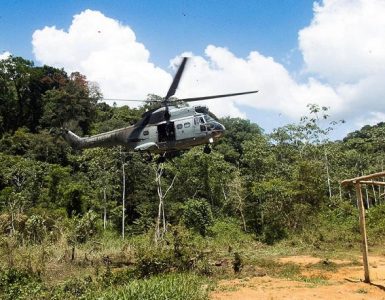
<point>199,120</point>
<point>209,119</point>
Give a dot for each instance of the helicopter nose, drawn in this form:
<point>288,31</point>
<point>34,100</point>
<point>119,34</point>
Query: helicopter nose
<point>220,127</point>
<point>218,130</point>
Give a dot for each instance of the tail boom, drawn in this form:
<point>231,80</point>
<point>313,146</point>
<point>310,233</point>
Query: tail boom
<point>107,139</point>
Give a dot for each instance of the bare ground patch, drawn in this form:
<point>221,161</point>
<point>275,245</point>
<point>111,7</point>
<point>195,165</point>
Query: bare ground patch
<point>318,279</point>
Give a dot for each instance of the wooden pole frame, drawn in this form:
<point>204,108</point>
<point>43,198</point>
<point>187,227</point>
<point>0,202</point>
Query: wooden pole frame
<point>362,178</point>
<point>364,238</point>
<point>357,182</point>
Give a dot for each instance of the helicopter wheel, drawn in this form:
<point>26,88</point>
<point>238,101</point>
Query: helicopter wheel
<point>207,149</point>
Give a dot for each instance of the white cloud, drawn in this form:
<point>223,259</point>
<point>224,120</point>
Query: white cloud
<point>344,64</point>
<point>345,46</point>
<point>220,71</point>
<point>5,55</point>
<point>372,118</point>
<point>345,40</point>
<point>105,51</point>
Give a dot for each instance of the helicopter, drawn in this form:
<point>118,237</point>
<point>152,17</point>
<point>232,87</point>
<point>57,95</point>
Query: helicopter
<point>165,129</point>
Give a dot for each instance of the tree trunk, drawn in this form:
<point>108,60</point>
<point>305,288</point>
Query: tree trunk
<point>374,195</point>
<point>161,215</point>
<point>12,222</point>
<point>328,175</point>
<point>367,196</point>
<point>104,209</point>
<point>123,201</point>
<point>73,253</point>
<point>158,177</point>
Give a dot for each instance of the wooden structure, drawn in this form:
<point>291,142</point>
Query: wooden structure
<point>357,182</point>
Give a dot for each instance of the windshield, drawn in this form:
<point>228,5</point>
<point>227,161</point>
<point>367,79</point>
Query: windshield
<point>209,119</point>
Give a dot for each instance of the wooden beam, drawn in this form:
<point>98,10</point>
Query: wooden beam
<point>373,182</point>
<point>361,178</point>
<point>363,231</point>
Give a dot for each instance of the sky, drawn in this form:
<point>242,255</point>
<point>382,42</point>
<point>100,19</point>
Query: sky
<point>295,52</point>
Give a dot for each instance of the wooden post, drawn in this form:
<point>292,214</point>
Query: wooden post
<point>123,200</point>
<point>363,230</point>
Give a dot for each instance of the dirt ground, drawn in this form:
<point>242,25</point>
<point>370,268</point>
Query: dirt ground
<point>343,282</point>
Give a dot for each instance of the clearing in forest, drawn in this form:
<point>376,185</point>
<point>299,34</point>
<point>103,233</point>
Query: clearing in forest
<point>312,278</point>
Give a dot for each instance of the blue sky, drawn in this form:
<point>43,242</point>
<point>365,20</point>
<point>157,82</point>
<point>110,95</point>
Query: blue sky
<point>168,28</point>
<point>294,52</point>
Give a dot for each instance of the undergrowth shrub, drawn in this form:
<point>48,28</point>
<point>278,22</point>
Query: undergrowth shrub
<point>35,229</point>
<point>153,262</point>
<point>84,228</point>
<point>177,252</point>
<point>11,224</point>
<point>78,287</point>
<point>329,228</point>
<point>19,284</point>
<point>375,217</point>
<point>227,232</point>
<point>197,215</point>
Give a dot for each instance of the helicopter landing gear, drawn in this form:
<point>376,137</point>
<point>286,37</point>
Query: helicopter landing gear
<point>161,159</point>
<point>207,149</point>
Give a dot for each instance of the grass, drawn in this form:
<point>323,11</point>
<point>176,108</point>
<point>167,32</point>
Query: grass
<point>228,288</point>
<point>314,280</point>
<point>19,284</point>
<point>107,267</point>
<point>326,265</point>
<point>166,287</point>
<point>362,291</point>
<point>276,269</point>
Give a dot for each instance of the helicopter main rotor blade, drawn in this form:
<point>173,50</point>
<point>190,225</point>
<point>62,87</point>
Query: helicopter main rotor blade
<point>130,100</point>
<point>177,77</point>
<point>215,96</point>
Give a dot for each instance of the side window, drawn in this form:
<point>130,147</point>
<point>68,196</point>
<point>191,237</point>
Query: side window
<point>187,125</point>
<point>203,128</point>
<point>179,126</point>
<point>199,120</point>
<point>145,132</point>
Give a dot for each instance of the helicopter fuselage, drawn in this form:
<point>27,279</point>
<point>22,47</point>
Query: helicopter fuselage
<point>186,127</point>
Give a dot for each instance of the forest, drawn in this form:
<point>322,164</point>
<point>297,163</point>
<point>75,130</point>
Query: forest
<point>86,224</point>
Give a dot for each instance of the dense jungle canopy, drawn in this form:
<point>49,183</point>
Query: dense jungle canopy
<point>274,185</point>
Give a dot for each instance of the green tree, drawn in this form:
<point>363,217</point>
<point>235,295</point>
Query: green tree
<point>21,88</point>
<point>197,215</point>
<point>104,176</point>
<point>237,132</point>
<point>71,106</point>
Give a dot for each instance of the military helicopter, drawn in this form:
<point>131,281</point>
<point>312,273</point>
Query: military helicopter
<point>162,130</point>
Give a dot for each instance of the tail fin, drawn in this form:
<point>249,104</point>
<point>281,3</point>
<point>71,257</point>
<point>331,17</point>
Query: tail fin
<point>71,138</point>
